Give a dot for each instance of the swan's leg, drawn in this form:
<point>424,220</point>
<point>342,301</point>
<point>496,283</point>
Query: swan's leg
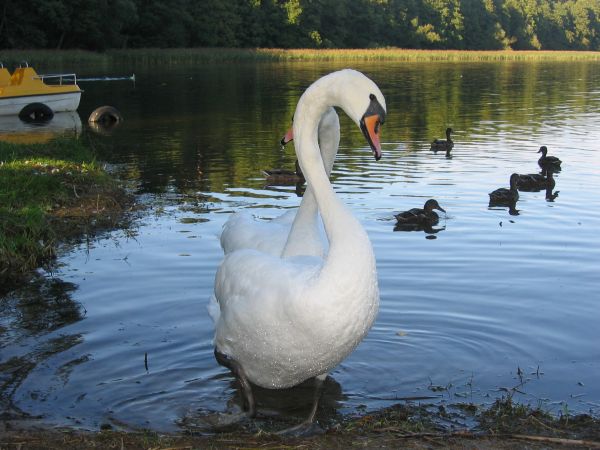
<point>319,382</point>
<point>308,427</point>
<point>239,373</point>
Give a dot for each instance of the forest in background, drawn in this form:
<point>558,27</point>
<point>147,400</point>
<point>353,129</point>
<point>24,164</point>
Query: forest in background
<point>100,25</point>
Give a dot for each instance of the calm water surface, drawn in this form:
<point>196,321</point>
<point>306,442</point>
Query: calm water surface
<point>492,301</point>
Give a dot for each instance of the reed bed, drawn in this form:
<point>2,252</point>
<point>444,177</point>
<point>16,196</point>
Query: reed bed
<point>179,56</point>
<point>60,58</point>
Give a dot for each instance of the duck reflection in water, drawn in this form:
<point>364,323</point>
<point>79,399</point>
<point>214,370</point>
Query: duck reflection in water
<point>299,188</point>
<point>420,219</point>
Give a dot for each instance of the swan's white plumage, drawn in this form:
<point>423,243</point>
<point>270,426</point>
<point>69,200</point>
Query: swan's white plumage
<point>285,320</point>
<point>243,230</point>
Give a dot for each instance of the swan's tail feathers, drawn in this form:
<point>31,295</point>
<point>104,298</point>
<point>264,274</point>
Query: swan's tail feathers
<point>214,310</point>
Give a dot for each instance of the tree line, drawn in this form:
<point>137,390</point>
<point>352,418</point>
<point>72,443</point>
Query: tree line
<point>419,24</point>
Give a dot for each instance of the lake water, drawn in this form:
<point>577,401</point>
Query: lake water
<point>492,303</point>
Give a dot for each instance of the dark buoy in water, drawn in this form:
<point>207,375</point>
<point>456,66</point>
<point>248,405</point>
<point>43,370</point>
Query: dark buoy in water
<point>105,119</point>
<point>36,113</point>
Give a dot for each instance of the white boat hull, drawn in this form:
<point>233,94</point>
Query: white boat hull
<point>60,102</point>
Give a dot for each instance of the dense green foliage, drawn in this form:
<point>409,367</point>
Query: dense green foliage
<point>427,24</point>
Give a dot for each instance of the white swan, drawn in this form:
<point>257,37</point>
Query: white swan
<point>242,230</point>
<point>285,320</point>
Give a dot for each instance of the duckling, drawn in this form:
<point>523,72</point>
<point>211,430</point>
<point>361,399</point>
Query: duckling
<point>418,216</point>
<point>548,161</point>
<point>534,182</point>
<point>283,176</point>
<point>443,145</point>
<point>505,196</point>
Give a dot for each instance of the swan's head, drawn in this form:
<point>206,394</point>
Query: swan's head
<point>370,124</point>
<point>362,100</point>
<point>356,94</point>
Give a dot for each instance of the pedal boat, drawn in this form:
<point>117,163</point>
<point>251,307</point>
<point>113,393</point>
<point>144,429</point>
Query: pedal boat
<point>25,87</point>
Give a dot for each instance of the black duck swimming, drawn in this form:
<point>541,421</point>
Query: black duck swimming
<point>284,176</point>
<point>536,182</point>
<point>443,144</point>
<point>504,196</point>
<point>545,161</point>
<point>420,216</point>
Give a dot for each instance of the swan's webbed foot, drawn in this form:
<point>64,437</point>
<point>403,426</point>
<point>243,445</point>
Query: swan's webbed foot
<point>238,372</point>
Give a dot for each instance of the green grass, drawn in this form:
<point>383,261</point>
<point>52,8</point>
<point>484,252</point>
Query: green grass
<point>152,56</point>
<point>47,193</point>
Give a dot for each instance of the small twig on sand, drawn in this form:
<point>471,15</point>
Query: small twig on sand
<point>467,434</point>
<point>562,441</point>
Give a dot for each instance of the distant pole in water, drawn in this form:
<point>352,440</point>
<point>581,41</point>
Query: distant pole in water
<point>120,78</point>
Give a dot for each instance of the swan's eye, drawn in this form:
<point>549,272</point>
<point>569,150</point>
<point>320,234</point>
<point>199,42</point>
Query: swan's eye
<point>375,109</point>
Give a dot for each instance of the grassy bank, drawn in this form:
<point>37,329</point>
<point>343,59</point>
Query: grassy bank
<point>504,425</point>
<point>49,193</point>
<point>204,55</point>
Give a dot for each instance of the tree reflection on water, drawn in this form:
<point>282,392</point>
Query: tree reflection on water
<point>27,314</point>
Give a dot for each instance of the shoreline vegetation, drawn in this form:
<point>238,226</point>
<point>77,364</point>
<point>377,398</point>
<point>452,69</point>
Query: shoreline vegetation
<point>503,425</point>
<point>49,194</point>
<point>11,58</point>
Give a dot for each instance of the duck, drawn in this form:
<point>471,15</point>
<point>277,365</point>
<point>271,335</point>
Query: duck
<point>546,161</point>
<point>243,230</point>
<point>420,216</point>
<point>284,176</point>
<point>284,320</point>
<point>328,132</point>
<point>536,182</point>
<point>503,196</point>
<point>443,144</point>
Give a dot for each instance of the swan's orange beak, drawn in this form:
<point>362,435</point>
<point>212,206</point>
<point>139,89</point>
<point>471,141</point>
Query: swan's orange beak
<point>370,126</point>
<point>289,136</point>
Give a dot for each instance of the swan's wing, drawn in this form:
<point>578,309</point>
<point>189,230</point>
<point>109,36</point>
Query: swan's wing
<point>266,321</point>
<point>242,230</point>
<point>262,284</point>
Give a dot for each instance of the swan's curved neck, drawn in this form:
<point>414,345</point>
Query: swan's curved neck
<point>342,228</point>
<point>305,237</point>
